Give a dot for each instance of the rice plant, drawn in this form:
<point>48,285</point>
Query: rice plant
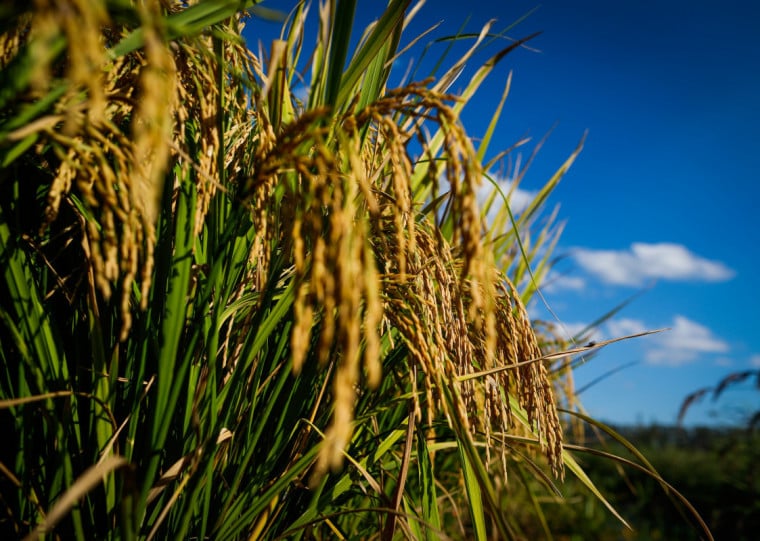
<point>230,313</point>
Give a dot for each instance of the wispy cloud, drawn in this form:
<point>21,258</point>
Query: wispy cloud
<point>644,262</point>
<point>625,327</point>
<point>754,361</point>
<point>555,281</point>
<point>683,343</point>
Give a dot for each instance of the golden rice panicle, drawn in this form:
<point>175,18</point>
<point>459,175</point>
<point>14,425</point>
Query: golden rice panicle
<point>360,166</point>
<point>152,131</point>
<point>373,316</point>
<point>83,22</point>
<point>492,298</point>
<point>338,434</point>
<point>153,122</point>
<point>335,271</point>
<point>391,166</point>
<point>203,108</point>
<point>464,173</point>
<point>552,338</point>
<point>348,203</point>
<point>346,262</point>
<point>43,29</point>
<point>337,305</point>
<point>455,310</point>
<point>11,41</point>
<point>394,142</point>
<point>109,139</point>
<point>534,387</point>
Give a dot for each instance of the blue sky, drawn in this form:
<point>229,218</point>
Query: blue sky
<point>662,201</point>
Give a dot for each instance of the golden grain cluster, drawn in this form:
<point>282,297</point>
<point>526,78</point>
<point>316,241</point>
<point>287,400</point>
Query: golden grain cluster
<point>330,192</point>
<point>370,266</point>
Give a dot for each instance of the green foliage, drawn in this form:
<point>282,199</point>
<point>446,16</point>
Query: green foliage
<point>714,469</point>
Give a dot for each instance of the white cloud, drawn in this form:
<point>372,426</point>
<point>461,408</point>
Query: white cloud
<point>754,361</point>
<point>555,281</point>
<point>618,328</point>
<point>643,262</point>
<point>302,92</point>
<point>684,343</point>
<point>519,199</point>
<point>567,330</point>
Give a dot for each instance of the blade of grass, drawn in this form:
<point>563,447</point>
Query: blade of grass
<point>426,474</point>
<point>537,509</point>
<point>669,489</point>
<point>340,39</point>
<point>193,20</point>
<point>84,484</point>
<point>383,32</point>
<point>477,480</point>
<point>570,463</point>
<point>474,495</point>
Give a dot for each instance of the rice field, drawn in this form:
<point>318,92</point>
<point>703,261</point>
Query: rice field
<point>231,310</point>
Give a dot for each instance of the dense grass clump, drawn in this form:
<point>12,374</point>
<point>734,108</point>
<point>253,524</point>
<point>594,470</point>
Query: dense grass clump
<point>229,313</point>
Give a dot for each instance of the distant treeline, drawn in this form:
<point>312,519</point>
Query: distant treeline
<point>716,469</point>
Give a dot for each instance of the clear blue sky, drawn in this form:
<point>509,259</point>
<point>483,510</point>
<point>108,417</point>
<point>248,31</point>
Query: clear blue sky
<point>665,195</point>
